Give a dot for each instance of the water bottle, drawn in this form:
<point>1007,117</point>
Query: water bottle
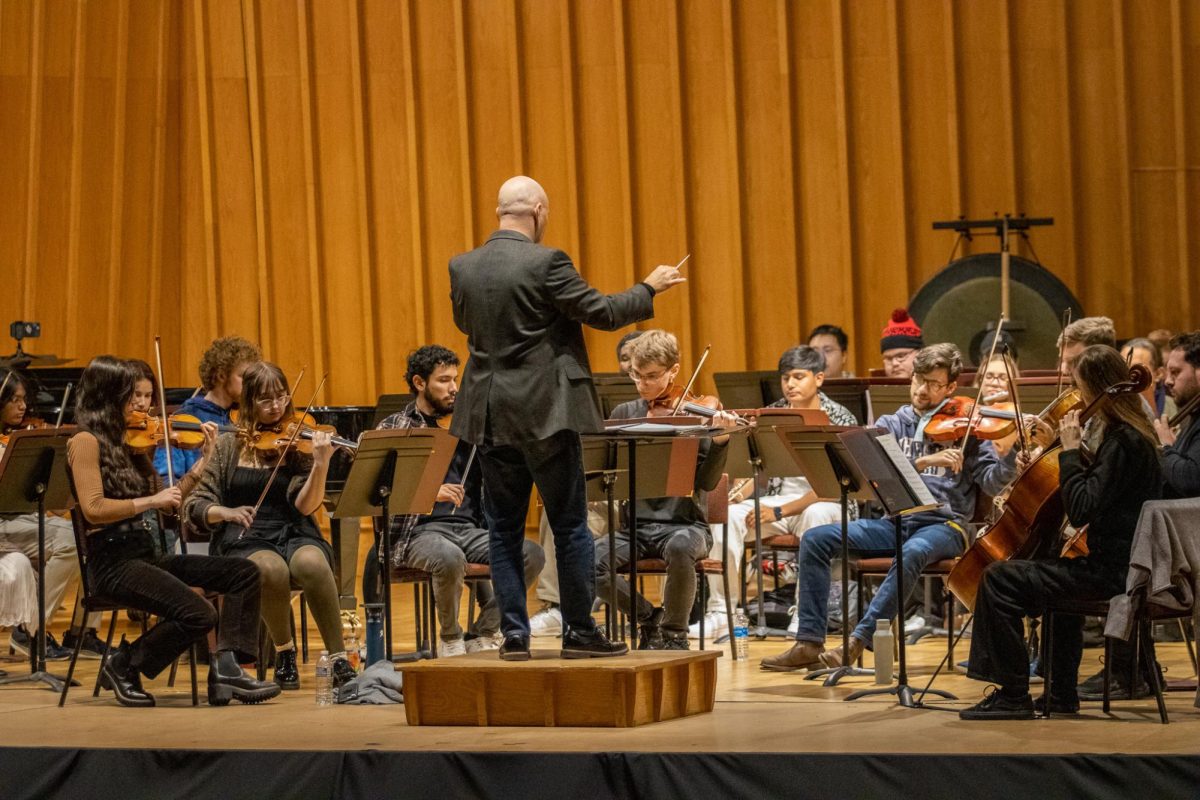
<point>883,642</point>
<point>353,653</point>
<point>374,614</point>
<point>741,635</point>
<point>324,680</point>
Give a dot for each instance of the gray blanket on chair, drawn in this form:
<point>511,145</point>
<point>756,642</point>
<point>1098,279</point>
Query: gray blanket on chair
<point>1164,562</point>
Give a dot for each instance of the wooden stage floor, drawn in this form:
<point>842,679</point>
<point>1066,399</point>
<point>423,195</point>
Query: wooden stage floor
<point>756,711</point>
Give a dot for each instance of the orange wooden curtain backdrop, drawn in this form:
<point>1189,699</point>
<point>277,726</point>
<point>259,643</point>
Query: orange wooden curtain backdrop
<point>300,172</point>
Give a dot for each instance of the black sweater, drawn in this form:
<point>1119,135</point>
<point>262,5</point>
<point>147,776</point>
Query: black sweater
<point>1181,463</point>
<point>1107,494</point>
<point>682,511</point>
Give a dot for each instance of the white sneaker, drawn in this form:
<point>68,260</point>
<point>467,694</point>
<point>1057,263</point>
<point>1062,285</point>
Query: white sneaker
<point>716,625</point>
<point>449,649</point>
<point>913,624</point>
<point>547,622</point>
<point>481,643</point>
<point>794,625</point>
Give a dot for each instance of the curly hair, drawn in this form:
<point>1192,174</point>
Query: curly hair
<point>939,356</point>
<point>424,361</point>
<point>104,389</point>
<point>1189,343</point>
<point>222,357</point>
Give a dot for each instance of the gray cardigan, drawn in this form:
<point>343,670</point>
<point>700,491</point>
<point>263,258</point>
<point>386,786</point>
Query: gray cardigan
<point>214,482</point>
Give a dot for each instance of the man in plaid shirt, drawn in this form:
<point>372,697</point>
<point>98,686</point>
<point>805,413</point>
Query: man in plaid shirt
<point>444,541</point>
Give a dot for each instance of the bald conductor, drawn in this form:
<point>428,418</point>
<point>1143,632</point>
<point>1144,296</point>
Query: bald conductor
<point>526,396</point>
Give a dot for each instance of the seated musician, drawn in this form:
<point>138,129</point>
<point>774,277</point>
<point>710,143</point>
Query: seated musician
<point>789,505</point>
<point>19,534</point>
<point>548,620</point>
<point>118,493</point>
<point>899,344</point>
<point>834,344</point>
<point>1106,495</point>
<point>221,370</point>
<point>954,477</point>
<point>454,534</point>
<point>992,378</point>
<point>1143,351</point>
<point>282,537</point>
<point>671,528</point>
<point>1181,449</point>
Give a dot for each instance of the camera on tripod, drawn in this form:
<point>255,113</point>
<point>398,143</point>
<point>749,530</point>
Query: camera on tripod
<point>25,330</point>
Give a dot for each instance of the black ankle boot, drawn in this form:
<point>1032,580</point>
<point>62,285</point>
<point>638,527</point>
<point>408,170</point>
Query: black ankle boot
<point>124,681</point>
<point>286,673</point>
<point>228,681</point>
<point>650,635</point>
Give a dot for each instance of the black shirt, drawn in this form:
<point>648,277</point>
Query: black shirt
<point>1181,463</point>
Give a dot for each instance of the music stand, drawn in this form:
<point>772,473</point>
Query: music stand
<point>400,468</point>
<point>672,473</point>
<point>822,459</point>
<point>33,477</point>
<point>761,455</point>
<point>877,461</point>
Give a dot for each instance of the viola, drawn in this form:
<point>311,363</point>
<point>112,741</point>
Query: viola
<point>1030,522</point>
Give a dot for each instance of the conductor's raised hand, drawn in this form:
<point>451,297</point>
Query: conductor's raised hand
<point>664,277</point>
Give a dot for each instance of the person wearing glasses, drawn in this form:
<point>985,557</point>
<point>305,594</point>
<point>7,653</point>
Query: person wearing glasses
<point>281,536</point>
<point>954,477</point>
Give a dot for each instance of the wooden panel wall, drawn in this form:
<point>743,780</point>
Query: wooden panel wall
<point>299,171</point>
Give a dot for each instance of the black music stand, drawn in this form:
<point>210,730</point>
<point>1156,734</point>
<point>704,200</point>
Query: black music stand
<point>823,460</point>
<point>33,477</point>
<point>762,456</point>
<point>875,457</point>
<point>672,473</point>
<point>395,468</point>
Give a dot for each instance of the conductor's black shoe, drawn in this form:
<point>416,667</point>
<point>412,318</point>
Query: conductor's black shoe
<point>997,705</point>
<point>287,675</point>
<point>228,681</point>
<point>123,680</point>
<point>515,648</point>
<point>591,645</point>
<point>1058,705</point>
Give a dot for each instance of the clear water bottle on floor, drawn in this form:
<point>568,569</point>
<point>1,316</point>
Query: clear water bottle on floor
<point>324,680</point>
<point>741,635</point>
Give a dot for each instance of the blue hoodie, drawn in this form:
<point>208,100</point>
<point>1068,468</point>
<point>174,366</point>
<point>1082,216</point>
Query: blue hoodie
<point>183,460</point>
<point>982,468</point>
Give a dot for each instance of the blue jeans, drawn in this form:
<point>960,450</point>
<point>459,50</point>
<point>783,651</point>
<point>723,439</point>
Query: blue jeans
<point>510,472</point>
<point>869,538</point>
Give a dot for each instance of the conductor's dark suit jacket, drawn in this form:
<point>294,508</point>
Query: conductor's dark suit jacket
<point>523,307</point>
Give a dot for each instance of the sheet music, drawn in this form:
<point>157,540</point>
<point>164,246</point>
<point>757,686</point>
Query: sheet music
<point>892,448</point>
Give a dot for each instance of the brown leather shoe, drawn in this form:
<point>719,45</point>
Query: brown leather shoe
<point>802,655</point>
<point>833,658</point>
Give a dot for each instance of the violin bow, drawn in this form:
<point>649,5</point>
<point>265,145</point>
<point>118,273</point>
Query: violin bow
<point>1062,347</point>
<point>162,410</point>
<point>62,409</point>
<point>691,380</point>
<point>466,472</point>
<point>288,444</point>
<point>1012,393</point>
<point>975,416</point>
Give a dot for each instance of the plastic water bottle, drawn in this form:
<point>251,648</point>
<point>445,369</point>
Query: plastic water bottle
<point>324,680</point>
<point>353,652</point>
<point>883,642</point>
<point>741,635</point>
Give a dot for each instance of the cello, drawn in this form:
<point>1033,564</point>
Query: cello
<point>1032,515</point>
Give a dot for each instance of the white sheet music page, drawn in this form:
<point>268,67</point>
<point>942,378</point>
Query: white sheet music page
<point>904,467</point>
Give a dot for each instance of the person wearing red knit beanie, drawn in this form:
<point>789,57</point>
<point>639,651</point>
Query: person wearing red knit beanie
<point>899,344</point>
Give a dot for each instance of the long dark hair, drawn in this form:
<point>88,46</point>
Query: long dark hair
<point>1100,367</point>
<point>104,390</point>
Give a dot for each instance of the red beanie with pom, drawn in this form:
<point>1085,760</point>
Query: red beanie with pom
<point>901,331</point>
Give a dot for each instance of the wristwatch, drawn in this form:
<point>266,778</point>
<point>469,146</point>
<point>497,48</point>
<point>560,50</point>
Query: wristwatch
<point>778,512</point>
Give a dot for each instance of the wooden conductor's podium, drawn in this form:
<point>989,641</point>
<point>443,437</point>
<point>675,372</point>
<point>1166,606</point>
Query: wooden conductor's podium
<point>623,692</point>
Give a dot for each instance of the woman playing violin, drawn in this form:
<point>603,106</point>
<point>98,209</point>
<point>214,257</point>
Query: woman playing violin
<point>1106,494</point>
<point>118,496</point>
<point>992,379</point>
<point>281,535</point>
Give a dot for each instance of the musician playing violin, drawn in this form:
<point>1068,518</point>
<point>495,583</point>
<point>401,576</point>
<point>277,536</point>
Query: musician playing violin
<point>1181,448</point>
<point>281,536</point>
<point>954,472</point>
<point>671,528</point>
<point>19,533</point>
<point>1106,494</point>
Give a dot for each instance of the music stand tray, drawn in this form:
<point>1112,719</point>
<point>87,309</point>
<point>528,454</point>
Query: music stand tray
<point>395,471</point>
<point>33,477</point>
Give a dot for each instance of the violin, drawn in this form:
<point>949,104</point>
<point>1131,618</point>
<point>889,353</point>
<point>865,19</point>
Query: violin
<point>27,424</point>
<point>143,431</point>
<point>673,401</point>
<point>1185,411</point>
<point>299,432</point>
<point>952,421</point>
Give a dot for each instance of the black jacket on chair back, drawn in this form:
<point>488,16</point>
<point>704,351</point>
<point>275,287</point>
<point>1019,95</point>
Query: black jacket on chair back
<point>523,307</point>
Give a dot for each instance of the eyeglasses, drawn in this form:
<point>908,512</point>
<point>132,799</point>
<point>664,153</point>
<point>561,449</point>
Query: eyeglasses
<point>277,400</point>
<point>933,386</point>
<point>638,377</point>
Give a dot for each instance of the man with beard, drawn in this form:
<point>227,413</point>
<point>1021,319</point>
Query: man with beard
<point>453,535</point>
